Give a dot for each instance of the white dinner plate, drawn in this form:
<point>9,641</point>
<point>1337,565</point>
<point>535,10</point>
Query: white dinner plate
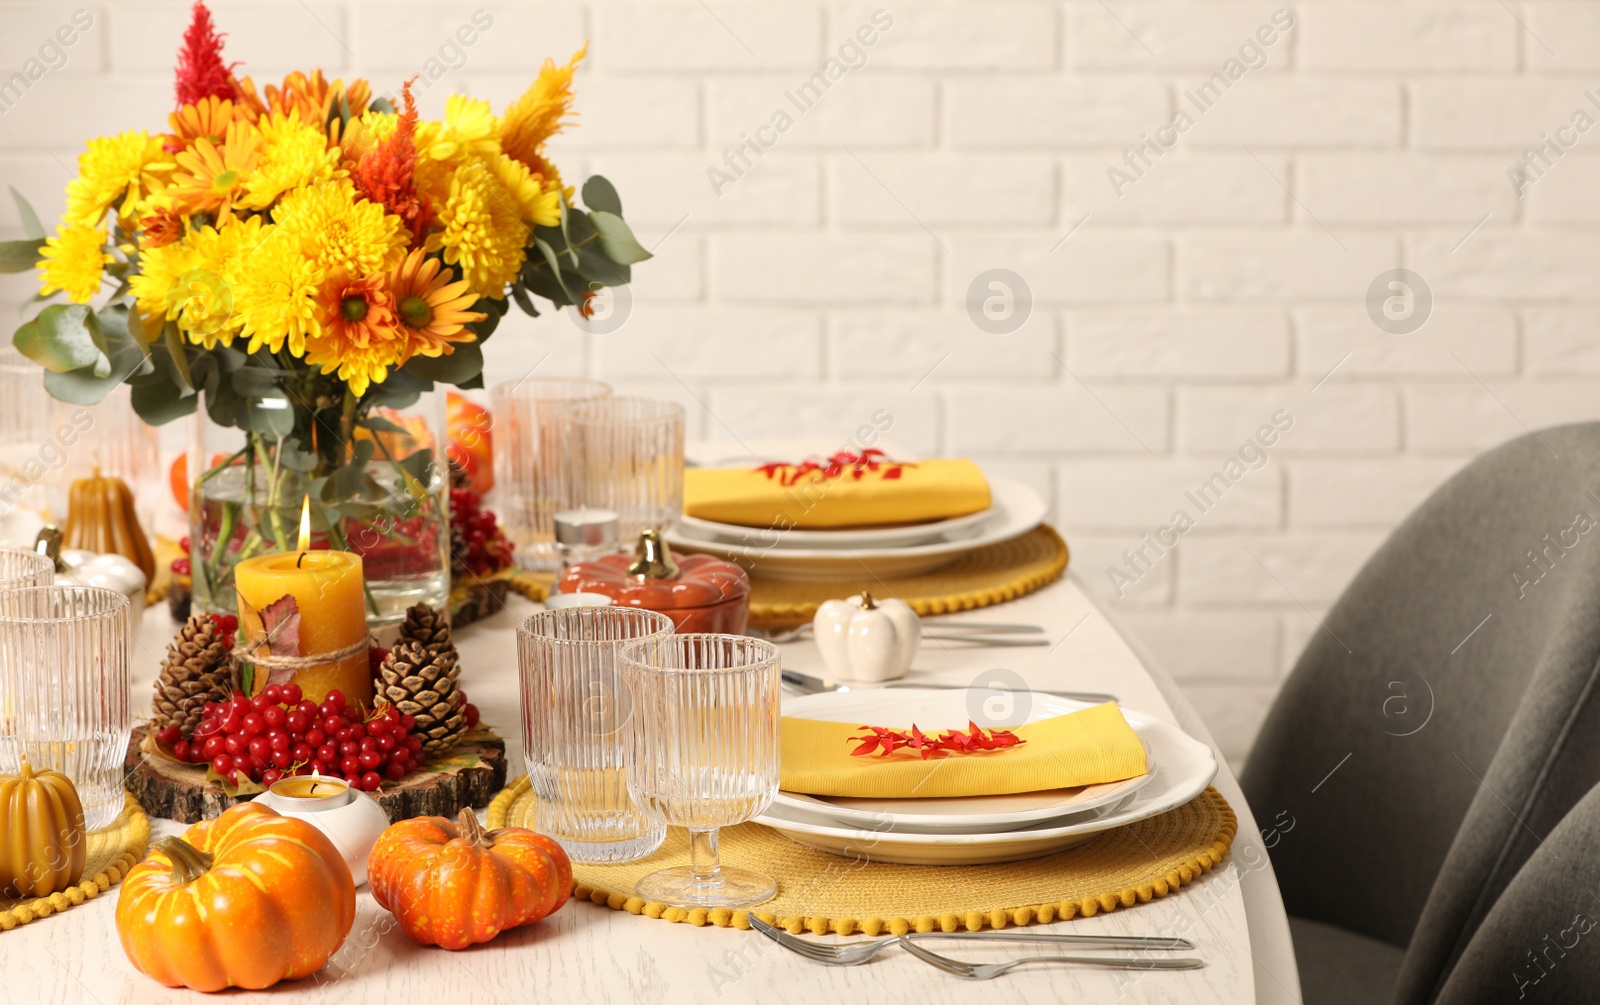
<point>968,814</point>
<point>848,537</point>
<point>1015,509</point>
<point>1181,768</point>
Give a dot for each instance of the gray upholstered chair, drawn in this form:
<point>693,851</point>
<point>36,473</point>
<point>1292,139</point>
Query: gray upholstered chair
<point>1440,726</point>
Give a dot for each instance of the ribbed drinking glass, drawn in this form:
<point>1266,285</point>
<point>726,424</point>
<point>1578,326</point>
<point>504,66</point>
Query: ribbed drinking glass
<point>64,689</point>
<point>535,469</point>
<point>705,755</point>
<point>25,568</point>
<point>632,460</point>
<point>575,712</point>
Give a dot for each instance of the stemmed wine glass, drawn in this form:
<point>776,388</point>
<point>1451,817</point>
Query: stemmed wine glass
<point>705,754</point>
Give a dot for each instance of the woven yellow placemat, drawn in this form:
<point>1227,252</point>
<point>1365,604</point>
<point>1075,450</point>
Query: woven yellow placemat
<point>110,853</point>
<point>825,893</point>
<point>990,575</point>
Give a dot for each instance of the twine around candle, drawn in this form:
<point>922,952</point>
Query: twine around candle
<point>271,662</point>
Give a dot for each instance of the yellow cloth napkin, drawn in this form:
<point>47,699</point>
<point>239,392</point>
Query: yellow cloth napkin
<point>1086,747</point>
<point>924,490</point>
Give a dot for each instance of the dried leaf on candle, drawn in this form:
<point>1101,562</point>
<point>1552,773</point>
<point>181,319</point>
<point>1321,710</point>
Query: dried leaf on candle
<point>281,622</point>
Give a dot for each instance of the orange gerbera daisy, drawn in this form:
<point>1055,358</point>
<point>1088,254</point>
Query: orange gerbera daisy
<point>360,337</point>
<point>209,117</point>
<point>210,179</point>
<point>432,308</point>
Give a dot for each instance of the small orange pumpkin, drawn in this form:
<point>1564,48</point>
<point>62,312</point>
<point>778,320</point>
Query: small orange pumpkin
<point>453,885</point>
<point>243,901</point>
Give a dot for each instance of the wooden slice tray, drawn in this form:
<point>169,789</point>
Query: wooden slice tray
<point>468,775</point>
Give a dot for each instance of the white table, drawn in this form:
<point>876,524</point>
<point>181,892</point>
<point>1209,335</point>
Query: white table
<point>585,952</point>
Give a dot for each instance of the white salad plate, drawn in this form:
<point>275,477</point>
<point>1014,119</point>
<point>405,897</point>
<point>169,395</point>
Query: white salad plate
<point>1180,769</point>
<point>1015,509</point>
<point>845,537</point>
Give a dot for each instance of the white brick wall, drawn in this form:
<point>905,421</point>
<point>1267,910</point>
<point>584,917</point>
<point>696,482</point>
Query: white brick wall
<point>1168,322</point>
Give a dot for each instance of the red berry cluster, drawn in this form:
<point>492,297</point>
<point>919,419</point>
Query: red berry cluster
<point>227,626</point>
<point>279,733</point>
<point>181,566</point>
<point>488,549</point>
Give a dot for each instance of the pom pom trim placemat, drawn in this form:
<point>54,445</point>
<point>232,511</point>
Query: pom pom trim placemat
<point>110,853</point>
<point>823,893</point>
<point>982,577</point>
<point>985,576</point>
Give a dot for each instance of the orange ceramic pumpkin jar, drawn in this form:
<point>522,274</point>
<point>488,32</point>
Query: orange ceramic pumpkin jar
<point>243,901</point>
<point>700,593</point>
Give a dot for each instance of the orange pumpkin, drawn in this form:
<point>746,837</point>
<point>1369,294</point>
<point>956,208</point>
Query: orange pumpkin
<point>453,885</point>
<point>243,901</point>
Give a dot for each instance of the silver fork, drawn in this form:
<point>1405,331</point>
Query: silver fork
<point>855,953</point>
<point>985,971</point>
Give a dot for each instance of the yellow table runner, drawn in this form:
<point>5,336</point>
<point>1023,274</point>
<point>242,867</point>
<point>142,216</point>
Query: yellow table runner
<point>1087,747</point>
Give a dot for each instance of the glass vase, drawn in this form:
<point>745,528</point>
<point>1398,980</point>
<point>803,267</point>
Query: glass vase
<point>374,472</point>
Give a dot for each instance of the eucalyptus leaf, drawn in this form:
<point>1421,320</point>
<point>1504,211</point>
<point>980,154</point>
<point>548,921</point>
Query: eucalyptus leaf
<point>472,383</point>
<point>63,338</point>
<point>617,240</point>
<point>90,384</point>
<point>597,268</point>
<point>180,356</point>
<point>541,283</point>
<point>158,404</point>
<point>520,294</point>
<point>566,213</point>
<point>483,329</point>
<point>600,195</point>
<point>555,266</point>
<point>381,105</point>
<point>30,220</point>
<point>379,424</point>
<point>463,364</point>
<point>20,256</point>
<point>295,458</point>
<point>269,414</point>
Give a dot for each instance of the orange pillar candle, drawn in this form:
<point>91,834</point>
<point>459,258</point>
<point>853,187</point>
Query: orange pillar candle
<point>297,606</point>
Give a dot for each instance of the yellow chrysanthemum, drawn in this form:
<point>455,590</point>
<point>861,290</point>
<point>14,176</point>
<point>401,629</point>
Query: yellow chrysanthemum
<point>293,155</point>
<point>275,292</point>
<point>536,204</point>
<point>468,128</point>
<point>363,134</point>
<point>339,231</point>
<point>482,230</point>
<point>73,261</point>
<point>539,114</point>
<point>127,166</point>
<point>191,282</point>
<point>159,269</point>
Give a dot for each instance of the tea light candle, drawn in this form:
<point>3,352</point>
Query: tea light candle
<point>329,594</point>
<point>311,793</point>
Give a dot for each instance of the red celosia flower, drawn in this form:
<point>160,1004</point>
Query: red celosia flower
<point>384,175</point>
<point>201,72</point>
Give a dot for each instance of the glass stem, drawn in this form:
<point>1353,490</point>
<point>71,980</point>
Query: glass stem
<point>703,862</point>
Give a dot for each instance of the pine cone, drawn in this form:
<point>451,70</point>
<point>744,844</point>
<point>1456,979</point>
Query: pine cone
<point>422,684</point>
<point>194,672</point>
<point>430,629</point>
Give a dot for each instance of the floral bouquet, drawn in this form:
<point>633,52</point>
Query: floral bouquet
<point>310,261</point>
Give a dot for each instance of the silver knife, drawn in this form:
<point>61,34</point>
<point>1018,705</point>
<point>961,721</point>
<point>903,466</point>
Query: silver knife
<point>817,685</point>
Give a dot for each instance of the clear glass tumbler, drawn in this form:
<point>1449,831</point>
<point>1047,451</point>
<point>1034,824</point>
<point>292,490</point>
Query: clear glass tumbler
<point>705,755</point>
<point>632,451</point>
<point>535,469</point>
<point>575,712</point>
<point>64,689</point>
<point>20,569</point>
